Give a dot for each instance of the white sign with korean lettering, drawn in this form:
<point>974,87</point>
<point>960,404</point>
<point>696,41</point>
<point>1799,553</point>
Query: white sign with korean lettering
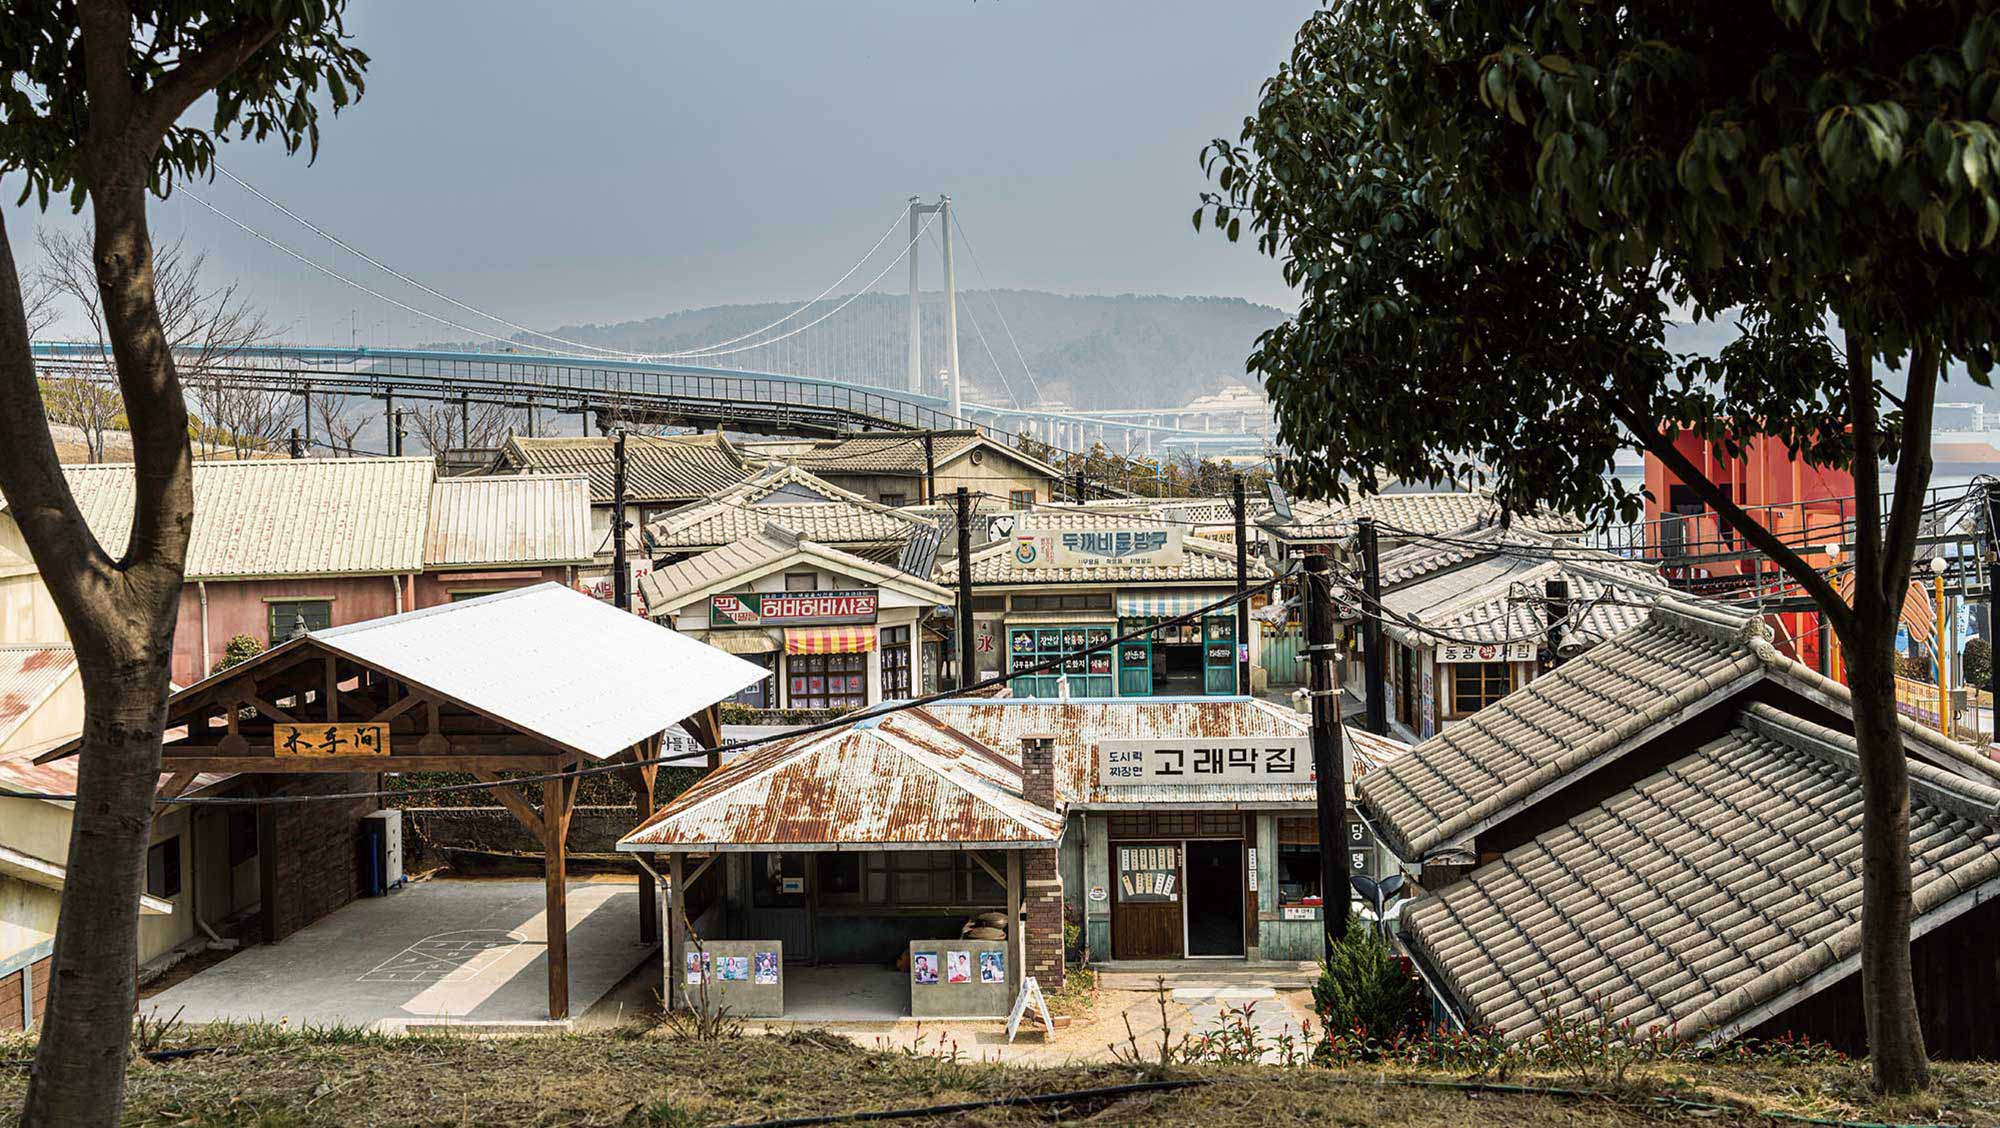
<point>1197,760</point>
<point>1457,652</point>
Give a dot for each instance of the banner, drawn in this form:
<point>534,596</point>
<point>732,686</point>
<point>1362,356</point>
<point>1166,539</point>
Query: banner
<point>1158,545</point>
<point>793,608</point>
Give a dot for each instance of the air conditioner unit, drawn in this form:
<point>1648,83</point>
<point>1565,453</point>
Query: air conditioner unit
<point>381,852</point>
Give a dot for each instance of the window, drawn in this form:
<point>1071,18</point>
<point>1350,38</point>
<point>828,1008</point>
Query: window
<point>1177,824</point>
<point>925,877</point>
<point>1021,499</point>
<point>1073,601</point>
<point>828,681</point>
<point>1475,685</point>
<point>242,837</point>
<point>1298,859</point>
<point>895,662</point>
<point>801,581</point>
<point>163,868</point>
<point>759,694</point>
<point>895,500</point>
<point>839,877</point>
<point>778,881</point>
<point>1089,676</point>
<point>474,593</point>
<point>286,613</point>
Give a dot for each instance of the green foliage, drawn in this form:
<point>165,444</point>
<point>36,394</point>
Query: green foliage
<point>238,650</point>
<point>301,54</point>
<point>1365,989</point>
<point>1978,668</point>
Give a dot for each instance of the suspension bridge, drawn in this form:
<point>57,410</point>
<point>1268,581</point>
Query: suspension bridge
<point>853,357</point>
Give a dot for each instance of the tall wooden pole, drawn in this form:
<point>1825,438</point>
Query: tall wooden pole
<point>966,657</point>
<point>621,572</point>
<point>1242,586</point>
<point>1329,761</point>
<point>555,891</point>
<point>1376,662</point>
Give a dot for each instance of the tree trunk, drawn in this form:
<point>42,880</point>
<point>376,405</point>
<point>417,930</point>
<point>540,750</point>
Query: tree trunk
<point>1888,989</point>
<point>79,1072</point>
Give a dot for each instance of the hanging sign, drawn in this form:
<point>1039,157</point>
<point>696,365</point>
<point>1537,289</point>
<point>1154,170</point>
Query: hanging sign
<point>1158,545</point>
<point>330,739</point>
<point>792,608</point>
<point>1461,652</point>
<point>1195,760</point>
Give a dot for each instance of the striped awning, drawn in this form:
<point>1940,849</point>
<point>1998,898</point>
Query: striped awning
<point>829,640</point>
<point>1148,604</point>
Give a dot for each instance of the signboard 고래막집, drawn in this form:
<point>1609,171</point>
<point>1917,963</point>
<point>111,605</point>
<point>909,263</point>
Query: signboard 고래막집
<point>1198,760</point>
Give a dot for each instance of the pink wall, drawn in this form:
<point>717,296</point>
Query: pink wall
<point>434,588</point>
<point>239,607</point>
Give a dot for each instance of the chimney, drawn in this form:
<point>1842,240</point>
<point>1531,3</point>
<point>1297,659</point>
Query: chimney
<point>1038,769</point>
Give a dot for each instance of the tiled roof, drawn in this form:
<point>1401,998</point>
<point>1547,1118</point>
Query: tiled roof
<point>782,496</point>
<point>1202,561</point>
<point>901,780</point>
<point>511,519</point>
<point>1493,760</point>
<point>28,676</point>
<point>281,516</point>
<point>1701,893</point>
<point>1428,514</point>
<point>657,468</point>
<point>673,587</point>
<point>1494,591</point>
<point>894,453</point>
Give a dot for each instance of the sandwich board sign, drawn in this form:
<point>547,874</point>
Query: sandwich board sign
<point>1031,992</point>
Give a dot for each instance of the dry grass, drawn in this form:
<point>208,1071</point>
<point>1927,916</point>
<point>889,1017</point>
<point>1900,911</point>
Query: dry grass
<point>267,1077</point>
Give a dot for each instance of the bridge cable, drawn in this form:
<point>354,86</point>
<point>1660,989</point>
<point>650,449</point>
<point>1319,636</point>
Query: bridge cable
<point>994,298</point>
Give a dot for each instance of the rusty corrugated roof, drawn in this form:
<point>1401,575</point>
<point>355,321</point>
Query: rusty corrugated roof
<point>280,516</point>
<point>535,519</point>
<point>29,675</point>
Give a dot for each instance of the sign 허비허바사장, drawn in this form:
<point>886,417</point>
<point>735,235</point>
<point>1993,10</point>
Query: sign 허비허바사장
<point>1195,760</point>
<point>330,738</point>
<point>793,608</point>
<point>1461,652</point>
<point>1085,548</point>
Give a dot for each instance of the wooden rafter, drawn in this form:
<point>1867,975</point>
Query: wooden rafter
<point>512,800</point>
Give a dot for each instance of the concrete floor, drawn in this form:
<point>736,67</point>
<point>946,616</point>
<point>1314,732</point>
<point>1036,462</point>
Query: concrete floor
<point>440,952</point>
<point>846,993</point>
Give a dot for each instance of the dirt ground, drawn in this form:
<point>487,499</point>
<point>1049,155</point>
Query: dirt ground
<point>264,1077</point>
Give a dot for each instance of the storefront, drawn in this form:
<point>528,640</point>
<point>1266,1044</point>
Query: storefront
<point>1043,593</point>
<point>836,630</point>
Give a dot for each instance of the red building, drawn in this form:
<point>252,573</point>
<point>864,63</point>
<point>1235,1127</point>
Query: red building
<point>1807,506</point>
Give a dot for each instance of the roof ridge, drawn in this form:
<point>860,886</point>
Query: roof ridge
<point>1710,620</point>
<point>1939,787</point>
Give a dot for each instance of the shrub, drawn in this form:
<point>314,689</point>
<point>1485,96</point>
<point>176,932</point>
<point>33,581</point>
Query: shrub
<point>240,649</point>
<point>1978,663</point>
<point>1365,988</point>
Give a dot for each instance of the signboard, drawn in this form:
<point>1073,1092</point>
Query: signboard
<point>1360,847</point>
<point>1252,851</point>
<point>1086,548</point>
<point>792,608</point>
<point>1298,912</point>
<point>1031,994</point>
<point>1149,874</point>
<point>1195,760</point>
<point>1486,652</point>
<point>330,738</point>
<point>1427,705</point>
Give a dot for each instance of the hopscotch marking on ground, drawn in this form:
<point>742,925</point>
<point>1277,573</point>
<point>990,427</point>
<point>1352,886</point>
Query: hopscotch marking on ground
<point>446,957</point>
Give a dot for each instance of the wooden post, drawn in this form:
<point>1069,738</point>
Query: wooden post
<point>555,880</point>
<point>649,910</point>
<point>1017,928</point>
<point>676,929</point>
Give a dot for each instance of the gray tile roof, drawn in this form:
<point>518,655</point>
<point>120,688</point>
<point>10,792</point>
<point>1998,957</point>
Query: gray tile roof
<point>1203,561</point>
<point>897,453</point>
<point>1397,514</point>
<point>657,468</point>
<point>1702,893</point>
<point>788,496</point>
<point>1498,595</point>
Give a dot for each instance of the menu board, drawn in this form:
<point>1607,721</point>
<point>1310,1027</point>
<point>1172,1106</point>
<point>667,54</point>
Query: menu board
<point>1149,874</point>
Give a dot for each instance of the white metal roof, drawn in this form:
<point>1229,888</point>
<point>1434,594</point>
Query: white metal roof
<point>551,661</point>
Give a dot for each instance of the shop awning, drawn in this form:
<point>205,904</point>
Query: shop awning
<point>829,640</point>
<point>741,642</point>
<point>1164,604</point>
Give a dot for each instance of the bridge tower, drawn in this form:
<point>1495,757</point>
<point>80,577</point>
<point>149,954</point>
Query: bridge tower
<point>942,209</point>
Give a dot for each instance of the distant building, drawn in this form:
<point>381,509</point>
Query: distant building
<point>895,469</point>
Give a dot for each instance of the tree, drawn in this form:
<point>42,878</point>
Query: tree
<point>208,328</point>
<point>91,108</point>
<point>1488,211</point>
<point>240,649</point>
<point>463,425</point>
<point>336,418</point>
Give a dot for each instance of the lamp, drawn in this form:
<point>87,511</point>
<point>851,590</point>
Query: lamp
<point>1939,565</point>
<point>1832,550</point>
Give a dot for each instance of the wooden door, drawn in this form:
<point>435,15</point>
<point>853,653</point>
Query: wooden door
<point>1146,900</point>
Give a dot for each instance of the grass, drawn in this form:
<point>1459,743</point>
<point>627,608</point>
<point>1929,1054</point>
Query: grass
<point>1078,995</point>
<point>269,1076</point>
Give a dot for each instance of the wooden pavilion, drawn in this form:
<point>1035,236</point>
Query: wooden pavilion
<point>521,690</point>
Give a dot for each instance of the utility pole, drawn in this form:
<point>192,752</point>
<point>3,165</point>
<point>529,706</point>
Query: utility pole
<point>621,576</point>
<point>1555,591</point>
<point>966,660</point>
<point>1329,759</point>
<point>389,423</point>
<point>930,469</point>
<point>1371,625</point>
<point>950,312</point>
<point>306,412</point>
<point>1242,586</point>
<point>916,369</point>
<point>400,435</point>
<point>297,448</point>
<point>465,420</point>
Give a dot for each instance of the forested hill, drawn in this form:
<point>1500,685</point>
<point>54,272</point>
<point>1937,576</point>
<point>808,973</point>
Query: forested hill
<point>1089,351</point>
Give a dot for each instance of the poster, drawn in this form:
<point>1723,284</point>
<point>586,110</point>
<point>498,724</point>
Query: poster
<point>697,965</point>
<point>992,967</point>
<point>958,967</point>
<point>767,969</point>
<point>924,966</point>
<point>735,969</point>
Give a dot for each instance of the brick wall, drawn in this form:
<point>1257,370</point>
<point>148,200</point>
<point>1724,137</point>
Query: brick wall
<point>1044,904</point>
<point>311,851</point>
<point>11,1014</point>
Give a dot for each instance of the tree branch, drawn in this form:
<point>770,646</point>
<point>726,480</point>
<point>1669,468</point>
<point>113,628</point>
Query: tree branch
<point>1870,595</point>
<point>1913,467</point>
<point>203,71</point>
<point>1808,577</point>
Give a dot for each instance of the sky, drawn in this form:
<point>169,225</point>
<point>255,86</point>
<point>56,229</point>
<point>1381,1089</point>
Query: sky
<point>628,159</point>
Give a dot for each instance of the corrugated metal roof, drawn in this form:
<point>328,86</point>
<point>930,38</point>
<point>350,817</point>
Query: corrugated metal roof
<point>280,517</point>
<point>29,675</point>
<point>657,468</point>
<point>1701,892</point>
<point>1201,561</point>
<point>515,519</point>
<point>898,781</point>
<point>553,662</point>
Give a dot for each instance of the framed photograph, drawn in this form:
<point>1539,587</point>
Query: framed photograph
<point>924,967</point>
<point>697,966</point>
<point>736,969</point>
<point>958,967</point>
<point>767,969</point>
<point>993,967</point>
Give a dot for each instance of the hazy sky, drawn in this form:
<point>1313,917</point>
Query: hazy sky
<point>603,161</point>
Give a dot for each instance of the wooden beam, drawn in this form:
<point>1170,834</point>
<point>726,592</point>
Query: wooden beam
<point>641,779</point>
<point>701,869</point>
<point>176,784</point>
<point>1017,945</point>
<point>999,878</point>
<point>200,761</point>
<point>555,893</point>
<point>270,710</point>
<point>676,929</point>
<point>409,701</point>
<point>512,800</point>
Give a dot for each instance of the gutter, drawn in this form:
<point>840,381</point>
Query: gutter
<point>201,586</point>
